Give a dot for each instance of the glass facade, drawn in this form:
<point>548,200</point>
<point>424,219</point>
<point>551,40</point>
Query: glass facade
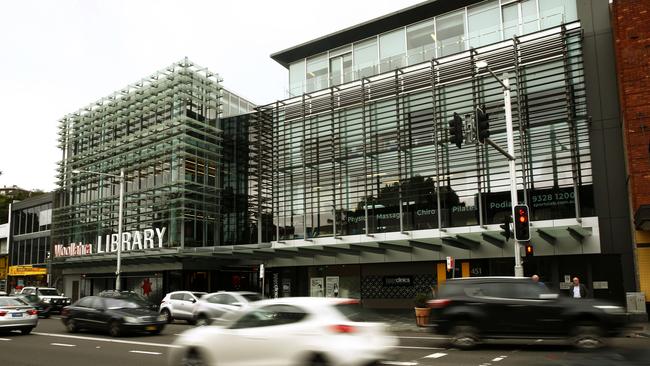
<point>30,231</point>
<point>375,156</point>
<point>446,34</point>
<point>164,132</point>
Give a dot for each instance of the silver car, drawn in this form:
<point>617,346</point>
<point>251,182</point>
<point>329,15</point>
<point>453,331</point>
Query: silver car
<point>16,314</point>
<point>217,306</point>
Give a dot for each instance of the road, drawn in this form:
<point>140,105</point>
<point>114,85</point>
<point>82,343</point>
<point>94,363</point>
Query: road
<point>51,345</point>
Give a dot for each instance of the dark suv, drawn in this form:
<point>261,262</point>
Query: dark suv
<point>470,309</point>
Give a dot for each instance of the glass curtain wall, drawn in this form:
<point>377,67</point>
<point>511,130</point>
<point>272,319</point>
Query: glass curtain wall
<point>392,50</point>
<point>376,158</point>
<point>420,42</point>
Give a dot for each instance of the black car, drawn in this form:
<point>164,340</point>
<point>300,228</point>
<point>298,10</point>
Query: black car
<point>44,308</point>
<point>115,315</point>
<point>129,295</point>
<point>470,309</point>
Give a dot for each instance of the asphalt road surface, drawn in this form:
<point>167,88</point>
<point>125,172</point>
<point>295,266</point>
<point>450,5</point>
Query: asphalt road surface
<point>51,345</point>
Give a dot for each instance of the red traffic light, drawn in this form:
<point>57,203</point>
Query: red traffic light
<point>529,250</point>
<point>522,224</point>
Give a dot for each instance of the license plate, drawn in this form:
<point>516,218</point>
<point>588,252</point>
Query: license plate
<point>151,327</point>
<point>17,315</point>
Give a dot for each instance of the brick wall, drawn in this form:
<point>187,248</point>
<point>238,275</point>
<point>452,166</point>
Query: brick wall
<point>631,26</point>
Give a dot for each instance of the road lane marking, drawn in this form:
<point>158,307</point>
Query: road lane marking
<point>499,358</point>
<point>410,347</point>
<point>146,352</point>
<point>439,338</point>
<point>398,363</point>
<point>5,339</point>
<point>435,355</point>
<point>63,344</point>
<point>107,340</point>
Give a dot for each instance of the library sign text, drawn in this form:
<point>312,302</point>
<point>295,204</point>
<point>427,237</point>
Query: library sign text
<point>135,240</point>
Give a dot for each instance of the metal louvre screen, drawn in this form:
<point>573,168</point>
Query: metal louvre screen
<point>374,155</point>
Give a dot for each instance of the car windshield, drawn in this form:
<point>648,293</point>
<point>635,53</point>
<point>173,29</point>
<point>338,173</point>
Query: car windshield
<point>11,301</point>
<point>252,297</point>
<point>112,303</point>
<point>48,292</point>
<point>30,298</point>
<point>355,312</point>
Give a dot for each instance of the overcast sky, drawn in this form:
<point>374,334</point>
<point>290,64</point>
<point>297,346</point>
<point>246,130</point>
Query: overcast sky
<point>59,56</point>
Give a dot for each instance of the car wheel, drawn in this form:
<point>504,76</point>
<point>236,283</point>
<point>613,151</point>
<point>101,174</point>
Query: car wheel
<point>191,321</point>
<point>203,320</point>
<point>71,326</point>
<point>167,315</point>
<point>26,331</point>
<point>464,336</point>
<point>115,329</point>
<point>318,360</point>
<point>192,358</point>
<point>587,336</point>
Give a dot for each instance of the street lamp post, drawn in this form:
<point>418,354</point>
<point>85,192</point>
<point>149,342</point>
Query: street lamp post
<point>505,84</point>
<point>120,217</point>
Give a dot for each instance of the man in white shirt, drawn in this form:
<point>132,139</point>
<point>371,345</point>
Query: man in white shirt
<point>577,290</point>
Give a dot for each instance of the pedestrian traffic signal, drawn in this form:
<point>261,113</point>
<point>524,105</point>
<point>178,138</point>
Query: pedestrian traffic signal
<point>456,130</point>
<point>482,124</point>
<point>506,227</point>
<point>530,251</point>
<point>522,223</point>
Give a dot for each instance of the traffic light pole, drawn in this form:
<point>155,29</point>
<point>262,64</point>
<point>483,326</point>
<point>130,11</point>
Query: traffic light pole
<point>519,270</point>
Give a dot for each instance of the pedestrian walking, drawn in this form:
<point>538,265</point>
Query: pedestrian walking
<point>577,290</point>
<point>535,278</point>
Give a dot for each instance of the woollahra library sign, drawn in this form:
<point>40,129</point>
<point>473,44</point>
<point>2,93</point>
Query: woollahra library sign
<point>135,240</point>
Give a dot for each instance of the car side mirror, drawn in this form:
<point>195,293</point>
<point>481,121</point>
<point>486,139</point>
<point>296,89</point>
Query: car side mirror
<point>236,304</point>
<point>193,300</point>
<point>548,296</point>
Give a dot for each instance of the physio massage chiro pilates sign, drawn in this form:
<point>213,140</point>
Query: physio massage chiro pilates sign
<point>134,240</point>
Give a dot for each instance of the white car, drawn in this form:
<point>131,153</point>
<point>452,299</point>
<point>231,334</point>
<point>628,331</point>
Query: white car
<point>218,306</point>
<point>289,331</point>
<point>180,305</point>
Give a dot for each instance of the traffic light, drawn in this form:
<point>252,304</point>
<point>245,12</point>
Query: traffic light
<point>529,250</point>
<point>506,228</point>
<point>456,130</point>
<point>482,124</point>
<point>522,223</point>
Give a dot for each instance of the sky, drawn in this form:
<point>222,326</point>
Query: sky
<point>57,57</point>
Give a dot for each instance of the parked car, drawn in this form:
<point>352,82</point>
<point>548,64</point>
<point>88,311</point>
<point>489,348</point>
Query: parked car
<point>217,306</point>
<point>48,295</point>
<point>15,314</point>
<point>115,315</point>
<point>44,308</point>
<point>129,295</point>
<point>471,309</point>
<point>180,305</point>
<point>288,331</point>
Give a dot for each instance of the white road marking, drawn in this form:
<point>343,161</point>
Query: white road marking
<point>409,347</point>
<point>146,352</point>
<point>499,358</point>
<point>398,363</point>
<point>63,344</point>
<point>435,355</point>
<point>440,338</point>
<point>107,340</point>
<point>5,339</point>
<point>176,334</point>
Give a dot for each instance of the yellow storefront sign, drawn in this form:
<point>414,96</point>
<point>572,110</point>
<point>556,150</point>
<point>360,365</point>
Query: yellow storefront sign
<point>26,271</point>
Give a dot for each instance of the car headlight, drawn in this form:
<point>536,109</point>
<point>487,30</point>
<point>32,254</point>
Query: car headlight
<point>162,318</point>
<point>610,309</point>
<point>47,300</point>
<point>130,319</point>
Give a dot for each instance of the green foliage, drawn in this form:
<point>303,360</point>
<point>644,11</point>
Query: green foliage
<point>420,300</point>
<point>18,196</point>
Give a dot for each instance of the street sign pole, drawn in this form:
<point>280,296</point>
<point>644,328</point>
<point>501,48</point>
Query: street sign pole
<point>519,270</point>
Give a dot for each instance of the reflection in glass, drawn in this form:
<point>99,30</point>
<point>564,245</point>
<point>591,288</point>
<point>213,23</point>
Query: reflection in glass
<point>420,42</point>
<point>365,58</point>
<point>450,33</point>
<point>391,50</point>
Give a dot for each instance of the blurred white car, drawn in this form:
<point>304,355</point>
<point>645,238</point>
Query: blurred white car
<point>217,306</point>
<point>289,331</point>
